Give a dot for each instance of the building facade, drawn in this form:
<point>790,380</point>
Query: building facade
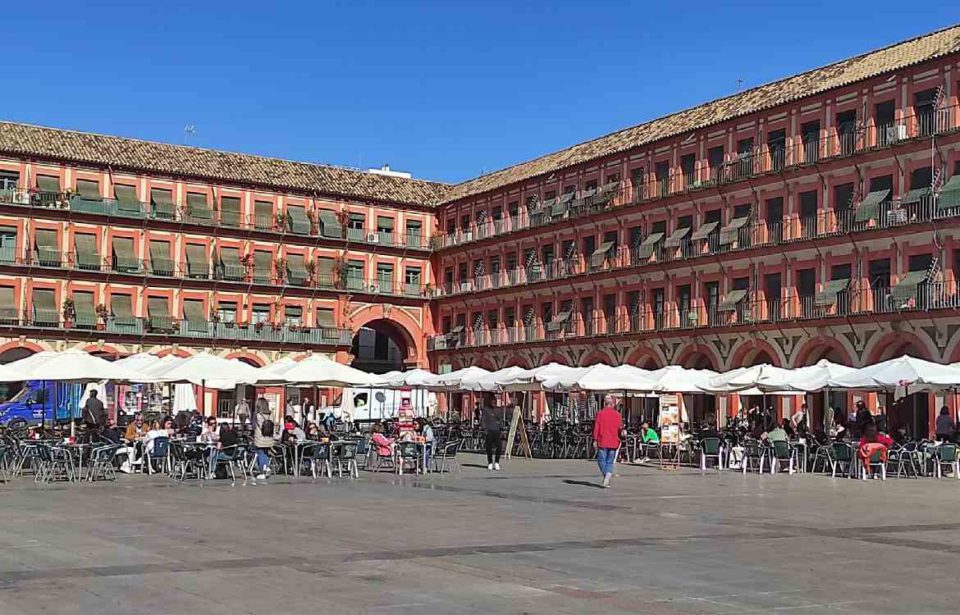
<point>813,217</point>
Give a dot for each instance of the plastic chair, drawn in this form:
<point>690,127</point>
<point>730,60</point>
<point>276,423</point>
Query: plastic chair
<point>317,454</point>
<point>841,454</point>
<point>782,451</point>
<point>877,460</point>
<point>407,454</point>
<point>159,451</point>
<point>947,456</point>
<point>711,448</point>
<point>346,454</point>
<point>754,453</point>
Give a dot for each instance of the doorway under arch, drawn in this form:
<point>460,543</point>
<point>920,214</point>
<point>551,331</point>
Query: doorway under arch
<point>382,345</point>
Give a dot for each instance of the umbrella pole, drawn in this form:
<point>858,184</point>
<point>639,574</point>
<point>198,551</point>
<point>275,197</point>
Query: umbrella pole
<point>203,396</point>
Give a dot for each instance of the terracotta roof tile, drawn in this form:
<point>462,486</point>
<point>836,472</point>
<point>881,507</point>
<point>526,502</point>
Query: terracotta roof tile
<point>227,167</point>
<point>895,57</point>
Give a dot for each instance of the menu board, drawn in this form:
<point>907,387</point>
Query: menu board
<point>669,419</point>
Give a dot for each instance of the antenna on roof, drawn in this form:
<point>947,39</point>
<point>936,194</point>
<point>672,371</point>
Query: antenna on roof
<point>188,131</point>
<point>739,85</point>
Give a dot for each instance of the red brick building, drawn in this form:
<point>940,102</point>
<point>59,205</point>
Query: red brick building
<point>813,217</point>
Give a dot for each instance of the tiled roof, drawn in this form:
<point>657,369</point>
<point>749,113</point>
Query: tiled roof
<point>227,167</point>
<point>895,57</point>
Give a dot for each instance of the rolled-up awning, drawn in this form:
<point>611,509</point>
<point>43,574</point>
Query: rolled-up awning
<point>230,211</point>
<point>123,256</point>
<point>198,265</point>
<point>675,240</point>
<point>831,290</point>
<point>198,208</point>
<point>122,308</point>
<point>45,306</point>
<point>949,196</point>
<point>296,270</point>
<point>160,261</point>
<point>732,300</point>
<point>162,202</point>
<point>89,189</point>
<point>731,232</point>
<point>262,266</point>
<point>869,208</point>
<point>329,224</point>
<point>704,231</point>
<point>86,251</point>
<point>230,266</point>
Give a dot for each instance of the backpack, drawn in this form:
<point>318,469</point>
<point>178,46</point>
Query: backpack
<point>266,428</point>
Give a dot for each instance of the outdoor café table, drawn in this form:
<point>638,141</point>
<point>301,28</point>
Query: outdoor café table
<point>802,451</point>
<point>77,452</point>
<point>296,451</point>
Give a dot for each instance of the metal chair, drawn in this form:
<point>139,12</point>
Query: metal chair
<point>232,457</point>
<point>159,451</point>
<point>101,463</point>
<point>783,452</point>
<point>407,454</point>
<point>947,456</point>
<point>317,454</point>
<point>754,453</point>
<point>53,464</point>
<point>447,455</point>
<point>346,454</point>
<point>841,455</point>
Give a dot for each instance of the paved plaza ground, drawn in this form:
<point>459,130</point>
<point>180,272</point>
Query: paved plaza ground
<point>538,537</point>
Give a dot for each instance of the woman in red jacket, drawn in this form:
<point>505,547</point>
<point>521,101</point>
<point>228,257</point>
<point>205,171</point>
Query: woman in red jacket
<point>872,442</point>
<point>606,437</point>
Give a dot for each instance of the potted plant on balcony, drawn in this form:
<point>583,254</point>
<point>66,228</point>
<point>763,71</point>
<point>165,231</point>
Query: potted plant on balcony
<point>311,268</point>
<point>69,312</point>
<point>103,315</point>
<point>280,267</point>
<point>247,262</point>
<point>280,222</point>
<point>428,290</point>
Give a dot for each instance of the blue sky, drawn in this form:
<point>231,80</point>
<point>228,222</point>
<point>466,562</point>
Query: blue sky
<point>446,90</point>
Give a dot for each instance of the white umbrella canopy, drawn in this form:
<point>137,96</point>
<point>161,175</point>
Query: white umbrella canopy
<point>10,374</point>
<point>743,378</point>
<point>206,370</point>
<point>822,375</point>
<point>138,362</point>
<point>556,377</point>
<point>452,381</point>
<point>905,371</point>
<point>676,379</point>
<point>73,366</point>
<point>628,378</point>
<point>409,378</point>
<point>491,381</point>
<point>317,370</point>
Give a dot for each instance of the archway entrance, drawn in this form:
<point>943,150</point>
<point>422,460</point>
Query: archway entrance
<point>381,346</point>
<point>9,389</point>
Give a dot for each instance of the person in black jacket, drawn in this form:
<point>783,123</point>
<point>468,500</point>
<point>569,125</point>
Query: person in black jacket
<point>490,423</point>
<point>94,415</point>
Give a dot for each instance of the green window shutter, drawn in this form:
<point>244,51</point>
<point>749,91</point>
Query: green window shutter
<point>230,211</point>
<point>158,309</point>
<point>86,252</point>
<point>198,208</point>
<point>296,270</point>
<point>263,215</point>
<point>704,231</point>
<point>949,196</point>
<point>230,266</point>
<point>45,310</point>
<point>731,232</point>
<point>124,258</point>
<point>325,318</point>
<point>85,313</point>
<point>600,254</point>
<point>8,305</point>
<point>8,244</point>
<point>904,292</point>
<point>914,196</point>
<point>48,183</point>
<point>160,261</point>
<point>262,267</point>
<point>329,224</point>
<point>828,296</point>
<point>122,308</point>
<point>675,240</point>
<point>649,245</point>
<point>127,203</point>
<point>47,247</point>
<point>162,203</point>
<point>298,220</point>
<point>325,272</point>
<point>198,266</point>
<point>89,189</point>
<point>195,317</point>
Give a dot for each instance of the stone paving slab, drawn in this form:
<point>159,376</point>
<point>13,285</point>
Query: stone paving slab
<point>538,537</point>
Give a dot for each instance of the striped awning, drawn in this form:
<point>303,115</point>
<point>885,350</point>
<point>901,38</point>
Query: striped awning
<point>869,208</point>
<point>86,251</point>
<point>831,291</point>
<point>198,265</point>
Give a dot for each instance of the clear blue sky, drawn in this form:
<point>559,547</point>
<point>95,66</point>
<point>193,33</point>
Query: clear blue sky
<point>446,90</point>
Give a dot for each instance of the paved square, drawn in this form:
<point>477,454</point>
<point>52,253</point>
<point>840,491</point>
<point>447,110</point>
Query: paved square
<point>538,537</point>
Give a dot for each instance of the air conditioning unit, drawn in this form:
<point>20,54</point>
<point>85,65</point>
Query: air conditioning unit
<point>373,237</point>
<point>375,287</point>
<point>897,132</point>
<point>466,287</point>
<point>692,317</point>
<point>440,343</point>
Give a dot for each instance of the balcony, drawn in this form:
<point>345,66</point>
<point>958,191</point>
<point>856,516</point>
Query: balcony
<point>306,225</point>
<point>778,156</point>
<point>239,274</point>
<point>167,326</point>
<point>737,236</point>
<point>839,299</point>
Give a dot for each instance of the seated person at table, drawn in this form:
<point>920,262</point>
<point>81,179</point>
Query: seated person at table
<point>136,429</point>
<point>873,441</point>
<point>777,434</point>
<point>649,437</point>
<point>313,431</point>
<point>226,438</point>
<point>110,434</point>
<point>291,431</point>
<point>945,425</point>
<point>382,444</point>
<point>425,431</point>
<point>708,429</point>
<point>210,433</point>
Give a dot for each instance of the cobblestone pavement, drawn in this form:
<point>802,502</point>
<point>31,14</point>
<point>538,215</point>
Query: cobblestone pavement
<point>538,537</point>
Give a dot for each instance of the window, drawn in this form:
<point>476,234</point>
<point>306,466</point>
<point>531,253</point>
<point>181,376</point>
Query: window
<point>810,133</point>
<point>354,275</point>
<point>385,229</point>
<point>847,131</point>
<point>662,171</point>
<point>411,280</point>
<point>688,168</point>
<point>610,313</point>
<point>8,244</point>
<point>414,230</point>
<point>513,209</point>
<point>261,313</point>
<point>777,148</point>
<point>385,277</point>
<point>879,271</point>
<point>263,215</point>
<point>636,181</point>
<point>744,166</point>
<point>923,105</point>
<point>9,180</point>
<point>227,311</point>
<point>808,213</point>
<point>921,178</point>
<point>293,315</point>
<point>715,159</point>
<point>843,197</point>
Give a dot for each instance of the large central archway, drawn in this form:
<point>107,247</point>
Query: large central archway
<point>381,346</point>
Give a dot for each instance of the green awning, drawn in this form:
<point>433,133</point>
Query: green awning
<point>230,211</point>
<point>122,308</point>
<point>230,266</point>
<point>298,220</point>
<point>263,215</point>
<point>731,232</point>
<point>329,224</point>
<point>831,290</point>
<point>193,314</point>
<point>607,192</point>
<point>85,313</point>
<point>704,231</point>
<point>905,290</point>
<point>89,189</point>
<point>123,256</point>
<point>914,196</point>
<point>325,271</point>
<point>86,251</point>
<point>198,265</point>
<point>45,306</point>
<point>869,208</point>
<point>649,244</point>
<point>296,270</point>
<point>48,183</point>
<point>47,247</point>
<point>159,310</point>
<point>675,240</point>
<point>160,261</point>
<point>127,202</point>
<point>8,305</point>
<point>198,208</point>
<point>325,318</point>
<point>587,194</point>
<point>262,267</point>
<point>600,254</point>
<point>162,202</point>
<point>559,320</point>
<point>732,300</point>
<point>949,196</point>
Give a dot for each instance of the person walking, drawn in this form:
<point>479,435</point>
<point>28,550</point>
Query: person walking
<point>242,411</point>
<point>94,415</point>
<point>490,423</point>
<point>263,441</point>
<point>606,437</point>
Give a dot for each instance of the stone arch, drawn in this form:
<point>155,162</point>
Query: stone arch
<point>821,347</point>
<point>396,324</point>
<point>597,356</point>
<point>183,353</point>
<point>14,351</point>
<point>250,358</point>
<point>698,356</point>
<point>646,357</point>
<point>104,351</point>
<point>517,361</point>
<point>555,358</point>
<point>754,352</point>
<point>484,363</point>
<point>898,343</point>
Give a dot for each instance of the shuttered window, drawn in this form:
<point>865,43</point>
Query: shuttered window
<point>263,215</point>
<point>45,312</point>
<point>296,270</point>
<point>325,272</point>
<point>8,306</point>
<point>160,261</point>
<point>193,314</point>
<point>122,308</point>
<point>230,266</point>
<point>89,189</point>
<point>262,267</point>
<point>85,314</point>
<point>161,201</point>
<point>198,208</point>
<point>230,211</point>
<point>87,256</point>
<point>197,264</point>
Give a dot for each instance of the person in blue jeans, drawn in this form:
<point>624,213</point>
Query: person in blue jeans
<point>606,436</point>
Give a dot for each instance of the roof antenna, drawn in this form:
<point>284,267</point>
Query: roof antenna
<point>739,85</point>
<point>188,131</point>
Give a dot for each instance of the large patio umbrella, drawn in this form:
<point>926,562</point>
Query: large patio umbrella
<point>138,362</point>
<point>410,378</point>
<point>760,377</point>
<point>625,378</point>
<point>903,372</point>
<point>317,370</point>
<point>822,375</point>
<point>451,381</point>
<point>73,366</point>
<point>676,379</point>
<point>10,374</point>
<point>206,370</point>
<point>491,381</point>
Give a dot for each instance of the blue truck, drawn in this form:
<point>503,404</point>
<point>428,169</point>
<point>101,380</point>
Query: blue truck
<point>41,401</point>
